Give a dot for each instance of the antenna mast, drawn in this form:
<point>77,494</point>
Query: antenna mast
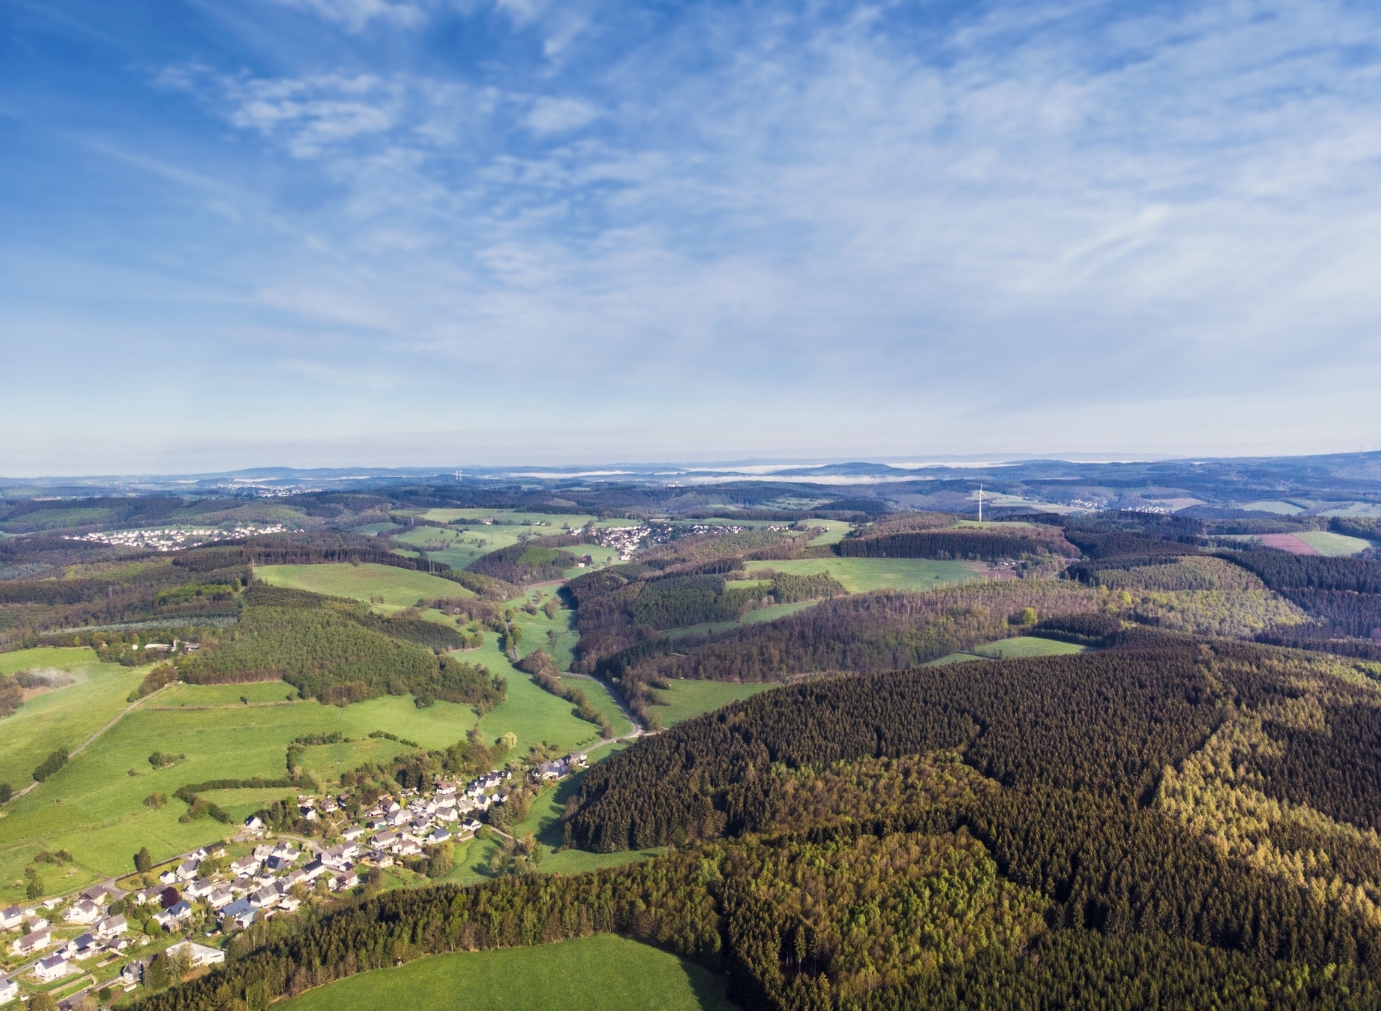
<point>980,505</point>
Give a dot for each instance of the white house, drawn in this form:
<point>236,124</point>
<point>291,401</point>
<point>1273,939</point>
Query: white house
<point>187,870</point>
<point>200,888</point>
<point>82,911</point>
<point>51,968</point>
<point>173,915</point>
<point>80,947</point>
<point>31,943</point>
<point>201,954</point>
<point>111,926</point>
<point>9,990</point>
<point>244,866</point>
<point>11,918</point>
<point>220,898</point>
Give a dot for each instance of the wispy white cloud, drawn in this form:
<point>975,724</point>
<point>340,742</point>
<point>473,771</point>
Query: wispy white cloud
<point>356,15</point>
<point>851,216</point>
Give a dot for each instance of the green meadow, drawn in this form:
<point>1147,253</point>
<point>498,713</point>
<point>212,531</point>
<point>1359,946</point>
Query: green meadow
<point>46,658</point>
<point>1012,649</point>
<point>590,974</point>
<point>1334,545</point>
<point>687,698</point>
<point>62,717</point>
<point>834,531</point>
<point>399,587</point>
<point>862,575</point>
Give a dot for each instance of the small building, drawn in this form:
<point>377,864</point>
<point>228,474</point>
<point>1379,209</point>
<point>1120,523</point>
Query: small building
<point>9,990</point>
<point>103,894</point>
<point>244,866</point>
<point>51,968</point>
<point>220,898</point>
<point>82,911</point>
<point>80,948</point>
<point>32,943</point>
<point>111,926</point>
<point>187,870</point>
<point>200,954</point>
<point>12,918</point>
<point>239,914</point>
<point>133,972</point>
<point>253,824</point>
<point>174,915</point>
<point>200,888</point>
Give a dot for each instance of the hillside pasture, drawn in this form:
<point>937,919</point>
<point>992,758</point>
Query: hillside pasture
<point>62,717</point>
<point>686,698</point>
<point>863,575</point>
<point>1333,545</point>
<point>589,974</point>
<point>399,588</point>
<point>64,658</point>
<point>1019,648</point>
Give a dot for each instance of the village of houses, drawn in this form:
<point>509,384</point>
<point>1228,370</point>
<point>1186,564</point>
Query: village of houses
<point>105,937</point>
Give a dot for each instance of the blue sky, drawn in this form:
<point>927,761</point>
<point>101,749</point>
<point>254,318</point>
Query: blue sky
<point>322,232</point>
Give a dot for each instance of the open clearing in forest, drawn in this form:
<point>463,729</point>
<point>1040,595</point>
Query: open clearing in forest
<point>1012,649</point>
<point>399,587</point>
<point>689,698</point>
<point>862,575</point>
<point>590,974</point>
<point>1333,545</point>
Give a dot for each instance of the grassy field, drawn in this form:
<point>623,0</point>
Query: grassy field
<point>1012,649</point>
<point>46,658</point>
<point>861,575</point>
<point>691,698</point>
<point>64,717</point>
<point>1334,545</point>
<point>260,692</point>
<point>834,531</point>
<point>590,974</point>
<point>399,587</point>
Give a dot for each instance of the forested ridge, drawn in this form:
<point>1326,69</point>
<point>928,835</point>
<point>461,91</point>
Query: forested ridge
<point>340,652</point>
<point>1161,824</point>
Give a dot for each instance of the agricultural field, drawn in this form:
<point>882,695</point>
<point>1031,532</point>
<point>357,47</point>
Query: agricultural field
<point>60,717</point>
<point>1333,545</point>
<point>1274,506</point>
<point>862,575</point>
<point>688,698</point>
<point>1012,649</point>
<point>589,974</point>
<point>835,531</point>
<point>399,588</point>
